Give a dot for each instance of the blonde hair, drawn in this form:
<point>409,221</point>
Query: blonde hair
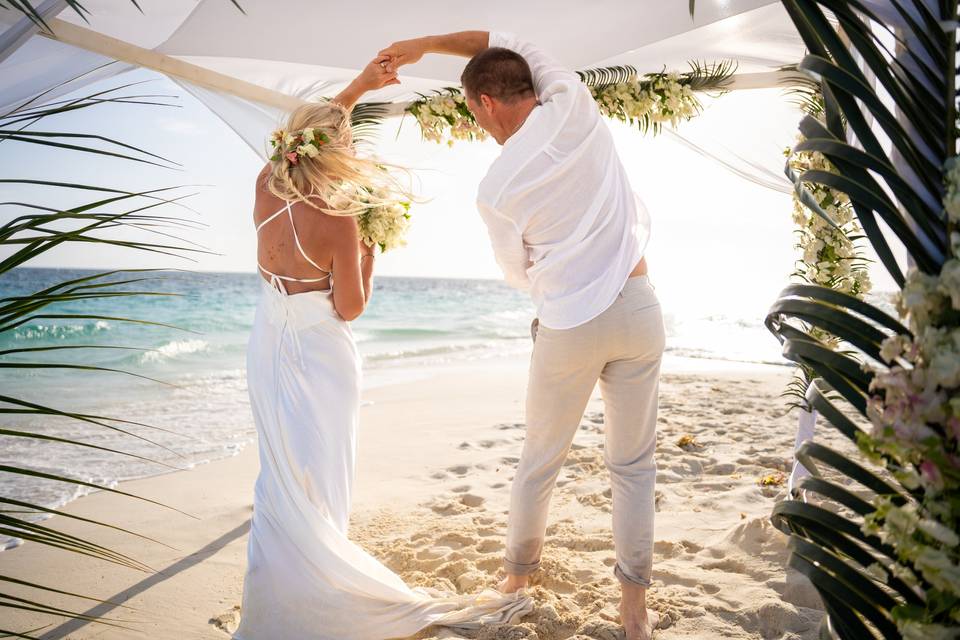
<point>336,180</point>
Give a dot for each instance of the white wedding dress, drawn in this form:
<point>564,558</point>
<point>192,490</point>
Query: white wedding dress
<point>305,579</point>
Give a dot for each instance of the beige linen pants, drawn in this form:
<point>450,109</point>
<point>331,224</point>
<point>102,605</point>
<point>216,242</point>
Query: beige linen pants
<point>622,348</point>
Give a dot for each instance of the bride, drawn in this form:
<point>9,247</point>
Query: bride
<point>305,579</point>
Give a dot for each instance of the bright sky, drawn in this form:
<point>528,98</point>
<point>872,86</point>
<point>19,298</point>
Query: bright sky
<point>717,238</point>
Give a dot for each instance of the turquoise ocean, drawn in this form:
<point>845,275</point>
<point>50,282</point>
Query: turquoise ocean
<point>190,405</point>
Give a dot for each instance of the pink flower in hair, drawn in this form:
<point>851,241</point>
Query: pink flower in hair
<point>292,157</point>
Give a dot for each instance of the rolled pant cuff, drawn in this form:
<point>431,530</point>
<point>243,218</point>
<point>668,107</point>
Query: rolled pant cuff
<point>627,579</point>
<point>517,569</point>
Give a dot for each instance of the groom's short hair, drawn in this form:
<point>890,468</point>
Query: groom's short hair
<point>500,73</point>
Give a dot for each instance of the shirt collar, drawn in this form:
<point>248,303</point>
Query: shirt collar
<point>524,127</point>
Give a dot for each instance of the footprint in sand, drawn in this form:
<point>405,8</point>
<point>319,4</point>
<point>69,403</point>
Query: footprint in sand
<point>461,504</point>
<point>459,470</point>
<point>490,546</point>
<point>602,500</point>
<point>720,468</point>
<point>471,500</point>
<point>455,541</point>
<point>729,411</point>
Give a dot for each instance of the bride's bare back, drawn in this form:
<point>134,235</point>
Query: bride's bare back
<point>330,242</point>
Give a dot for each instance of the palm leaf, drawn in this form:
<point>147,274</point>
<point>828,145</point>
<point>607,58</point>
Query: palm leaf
<point>33,230</point>
<point>901,189</point>
<point>365,118</point>
<point>607,75</point>
<point>27,8</point>
<point>805,92</point>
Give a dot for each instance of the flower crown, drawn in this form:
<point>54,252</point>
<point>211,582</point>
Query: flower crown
<point>296,144</point>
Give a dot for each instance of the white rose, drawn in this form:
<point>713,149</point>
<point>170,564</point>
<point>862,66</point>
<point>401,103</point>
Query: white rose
<point>939,532</point>
<point>308,150</point>
<point>945,369</point>
<point>939,570</point>
<point>916,630</point>
<point>892,347</point>
<point>950,281</point>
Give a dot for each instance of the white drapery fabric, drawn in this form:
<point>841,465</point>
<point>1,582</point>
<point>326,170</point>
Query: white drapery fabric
<point>304,50</point>
<point>305,578</point>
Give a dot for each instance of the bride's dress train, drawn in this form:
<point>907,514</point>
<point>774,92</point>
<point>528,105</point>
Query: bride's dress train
<point>305,579</point>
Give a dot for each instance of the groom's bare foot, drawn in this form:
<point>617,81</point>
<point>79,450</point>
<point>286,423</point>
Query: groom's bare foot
<point>637,621</point>
<point>512,583</point>
<point>639,626</point>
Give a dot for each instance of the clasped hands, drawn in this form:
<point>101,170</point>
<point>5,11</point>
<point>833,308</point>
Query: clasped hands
<point>382,70</point>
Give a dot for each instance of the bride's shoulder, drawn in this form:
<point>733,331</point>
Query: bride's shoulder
<point>264,175</point>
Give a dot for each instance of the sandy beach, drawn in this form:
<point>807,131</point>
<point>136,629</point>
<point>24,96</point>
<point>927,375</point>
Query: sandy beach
<point>436,458</point>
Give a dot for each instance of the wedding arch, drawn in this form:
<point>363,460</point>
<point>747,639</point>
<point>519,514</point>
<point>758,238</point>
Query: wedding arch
<point>894,575</point>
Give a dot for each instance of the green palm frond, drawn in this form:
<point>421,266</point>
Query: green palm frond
<point>709,76</point>
<point>35,228</point>
<point>703,76</point>
<point>27,8</point>
<point>366,118</point>
<point>898,185</point>
<point>805,92</point>
<point>607,75</point>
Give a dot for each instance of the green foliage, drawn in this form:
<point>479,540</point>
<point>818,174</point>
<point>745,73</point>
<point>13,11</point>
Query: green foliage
<point>871,581</point>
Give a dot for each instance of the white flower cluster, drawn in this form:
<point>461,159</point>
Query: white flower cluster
<point>657,99</point>
<point>385,225</point>
<point>831,257</point>
<point>297,144</point>
<point>915,411</point>
<point>923,543</point>
<point>446,115</point>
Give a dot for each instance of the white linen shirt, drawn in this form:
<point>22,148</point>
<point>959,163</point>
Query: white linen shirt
<point>562,218</point>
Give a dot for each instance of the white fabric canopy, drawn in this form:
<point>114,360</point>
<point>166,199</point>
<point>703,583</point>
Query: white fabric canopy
<point>248,68</point>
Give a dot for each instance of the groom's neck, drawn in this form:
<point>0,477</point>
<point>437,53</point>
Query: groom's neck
<point>513,118</point>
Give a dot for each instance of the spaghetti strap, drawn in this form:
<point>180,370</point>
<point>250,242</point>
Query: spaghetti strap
<point>262,223</point>
<point>274,278</point>
<point>297,240</point>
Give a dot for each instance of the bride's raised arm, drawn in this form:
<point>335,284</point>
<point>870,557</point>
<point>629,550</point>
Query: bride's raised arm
<point>373,76</point>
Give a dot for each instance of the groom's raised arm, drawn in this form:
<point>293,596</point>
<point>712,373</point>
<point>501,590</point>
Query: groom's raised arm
<point>463,43</point>
<point>547,73</point>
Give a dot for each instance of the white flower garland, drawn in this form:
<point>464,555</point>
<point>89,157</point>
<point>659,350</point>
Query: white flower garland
<point>830,255</point>
<point>651,101</point>
<point>446,115</point>
<point>660,99</point>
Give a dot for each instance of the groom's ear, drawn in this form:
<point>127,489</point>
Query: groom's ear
<point>487,102</point>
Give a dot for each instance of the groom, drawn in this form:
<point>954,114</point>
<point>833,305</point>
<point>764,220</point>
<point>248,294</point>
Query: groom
<point>566,225</point>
